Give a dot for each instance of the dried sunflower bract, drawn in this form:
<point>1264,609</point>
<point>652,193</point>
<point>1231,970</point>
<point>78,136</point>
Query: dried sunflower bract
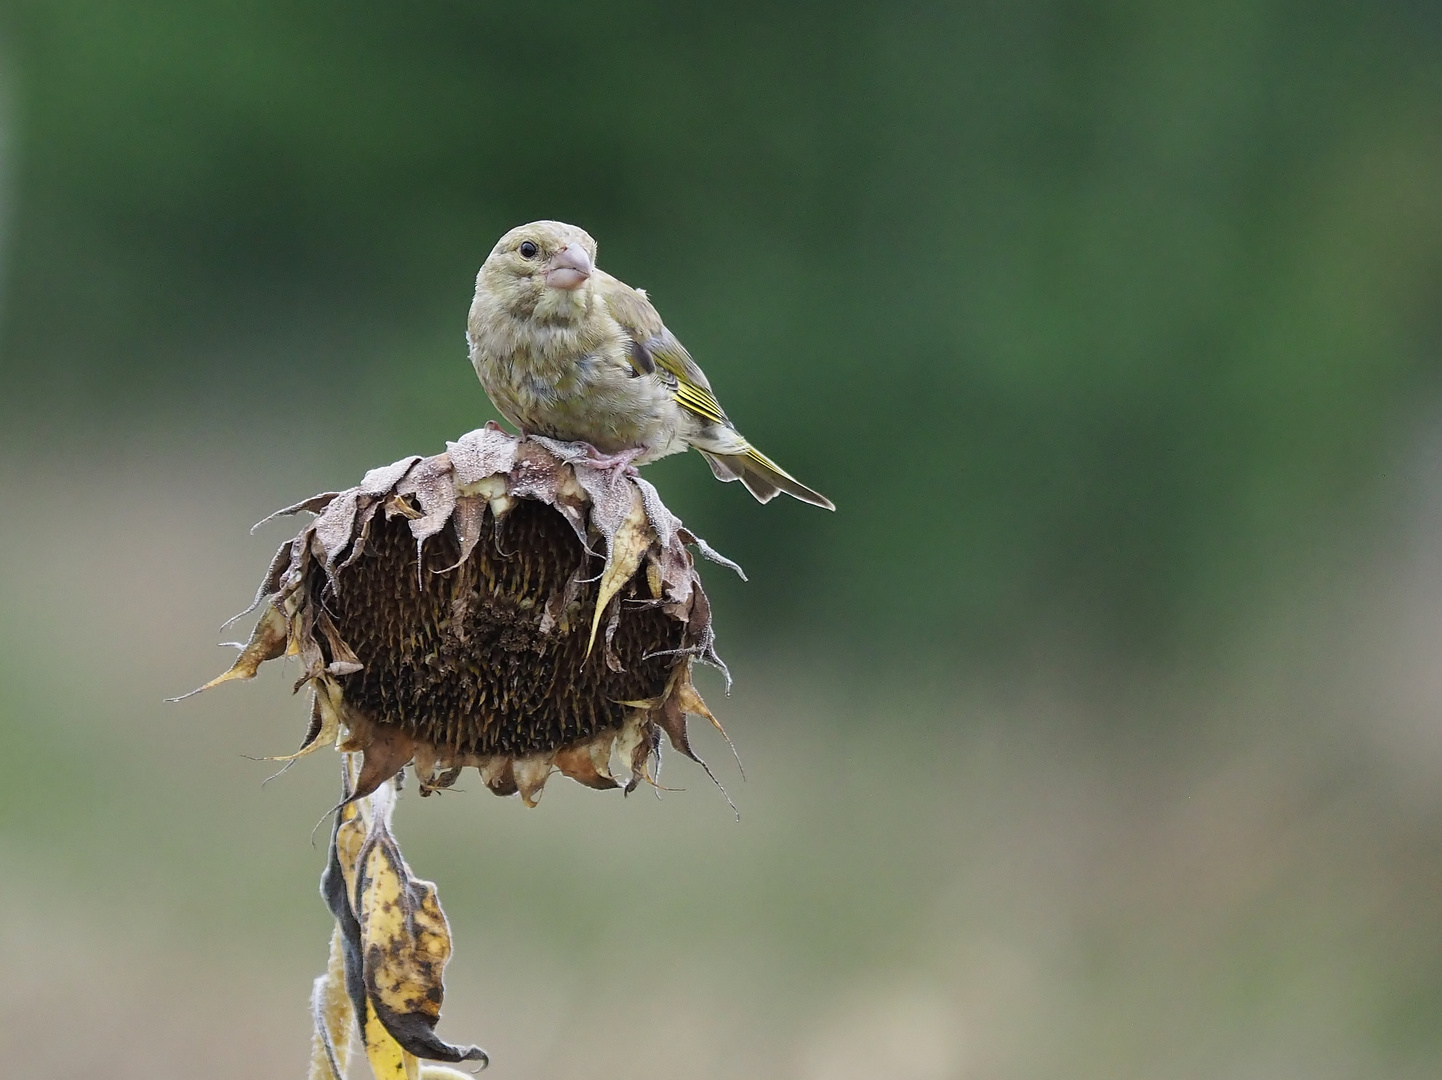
<point>505,605</point>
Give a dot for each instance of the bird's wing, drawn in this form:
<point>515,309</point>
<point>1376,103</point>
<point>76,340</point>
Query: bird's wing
<point>656,350</point>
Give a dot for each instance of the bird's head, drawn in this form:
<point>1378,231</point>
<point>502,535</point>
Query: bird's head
<point>542,269</point>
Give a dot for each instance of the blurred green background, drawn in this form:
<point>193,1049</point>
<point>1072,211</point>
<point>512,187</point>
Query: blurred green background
<point>1097,734</point>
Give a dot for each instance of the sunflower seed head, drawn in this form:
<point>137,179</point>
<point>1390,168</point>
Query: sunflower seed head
<point>505,605</point>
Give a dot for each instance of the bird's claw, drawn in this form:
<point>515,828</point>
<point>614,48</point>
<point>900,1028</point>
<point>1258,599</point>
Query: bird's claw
<point>621,462</point>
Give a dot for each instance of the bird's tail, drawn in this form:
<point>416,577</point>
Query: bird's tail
<point>762,476</point>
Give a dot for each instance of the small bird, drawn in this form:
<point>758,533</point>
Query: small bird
<point>568,352</point>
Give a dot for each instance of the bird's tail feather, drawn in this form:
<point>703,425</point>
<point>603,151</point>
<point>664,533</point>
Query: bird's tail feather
<point>762,476</point>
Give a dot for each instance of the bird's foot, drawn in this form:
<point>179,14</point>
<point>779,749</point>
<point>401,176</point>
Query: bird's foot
<point>621,462</point>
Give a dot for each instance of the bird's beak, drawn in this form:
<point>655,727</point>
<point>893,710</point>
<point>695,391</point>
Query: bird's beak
<point>570,268</point>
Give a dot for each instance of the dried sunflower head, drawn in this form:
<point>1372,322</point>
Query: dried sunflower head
<point>505,605</point>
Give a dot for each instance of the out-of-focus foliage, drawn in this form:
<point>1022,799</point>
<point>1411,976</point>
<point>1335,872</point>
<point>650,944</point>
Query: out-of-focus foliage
<point>1089,316</point>
<point>1090,312</point>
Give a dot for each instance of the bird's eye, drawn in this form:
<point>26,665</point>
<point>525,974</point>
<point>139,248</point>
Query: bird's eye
<point>528,250</point>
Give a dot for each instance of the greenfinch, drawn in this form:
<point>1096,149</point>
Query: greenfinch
<point>569,352</point>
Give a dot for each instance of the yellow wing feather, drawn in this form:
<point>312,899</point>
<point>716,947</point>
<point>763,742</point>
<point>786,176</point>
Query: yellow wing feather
<point>698,399</point>
<point>689,386</point>
<point>759,457</point>
<point>638,317</point>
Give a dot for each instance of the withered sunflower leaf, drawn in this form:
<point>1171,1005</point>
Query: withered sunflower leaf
<point>389,751</point>
<point>362,531</point>
<point>333,528</point>
<point>530,775</point>
<point>678,577</point>
<point>323,731</point>
<point>433,485</point>
<point>268,584</point>
<point>406,942</point>
<point>481,453</point>
<point>609,652</point>
<point>672,719</point>
<point>332,1013</point>
<point>535,474</point>
<point>312,660</point>
<point>470,513</point>
<point>662,520</point>
<point>711,553</point>
<point>314,505</point>
<point>587,763</point>
<point>499,774</point>
<point>572,453</point>
<point>337,881</point>
<point>631,541</point>
<point>379,481</point>
<point>689,700</point>
<point>386,1057</point>
<point>576,518</point>
<point>612,497</point>
<point>395,507</point>
<point>267,641</point>
<point>343,660</point>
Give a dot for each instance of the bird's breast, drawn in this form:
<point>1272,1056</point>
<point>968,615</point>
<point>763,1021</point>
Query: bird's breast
<point>573,383</point>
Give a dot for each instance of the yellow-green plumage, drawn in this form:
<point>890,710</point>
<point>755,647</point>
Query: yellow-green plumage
<point>567,351</point>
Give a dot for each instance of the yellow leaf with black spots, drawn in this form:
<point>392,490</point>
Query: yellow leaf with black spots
<point>388,1060</point>
<point>392,935</point>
